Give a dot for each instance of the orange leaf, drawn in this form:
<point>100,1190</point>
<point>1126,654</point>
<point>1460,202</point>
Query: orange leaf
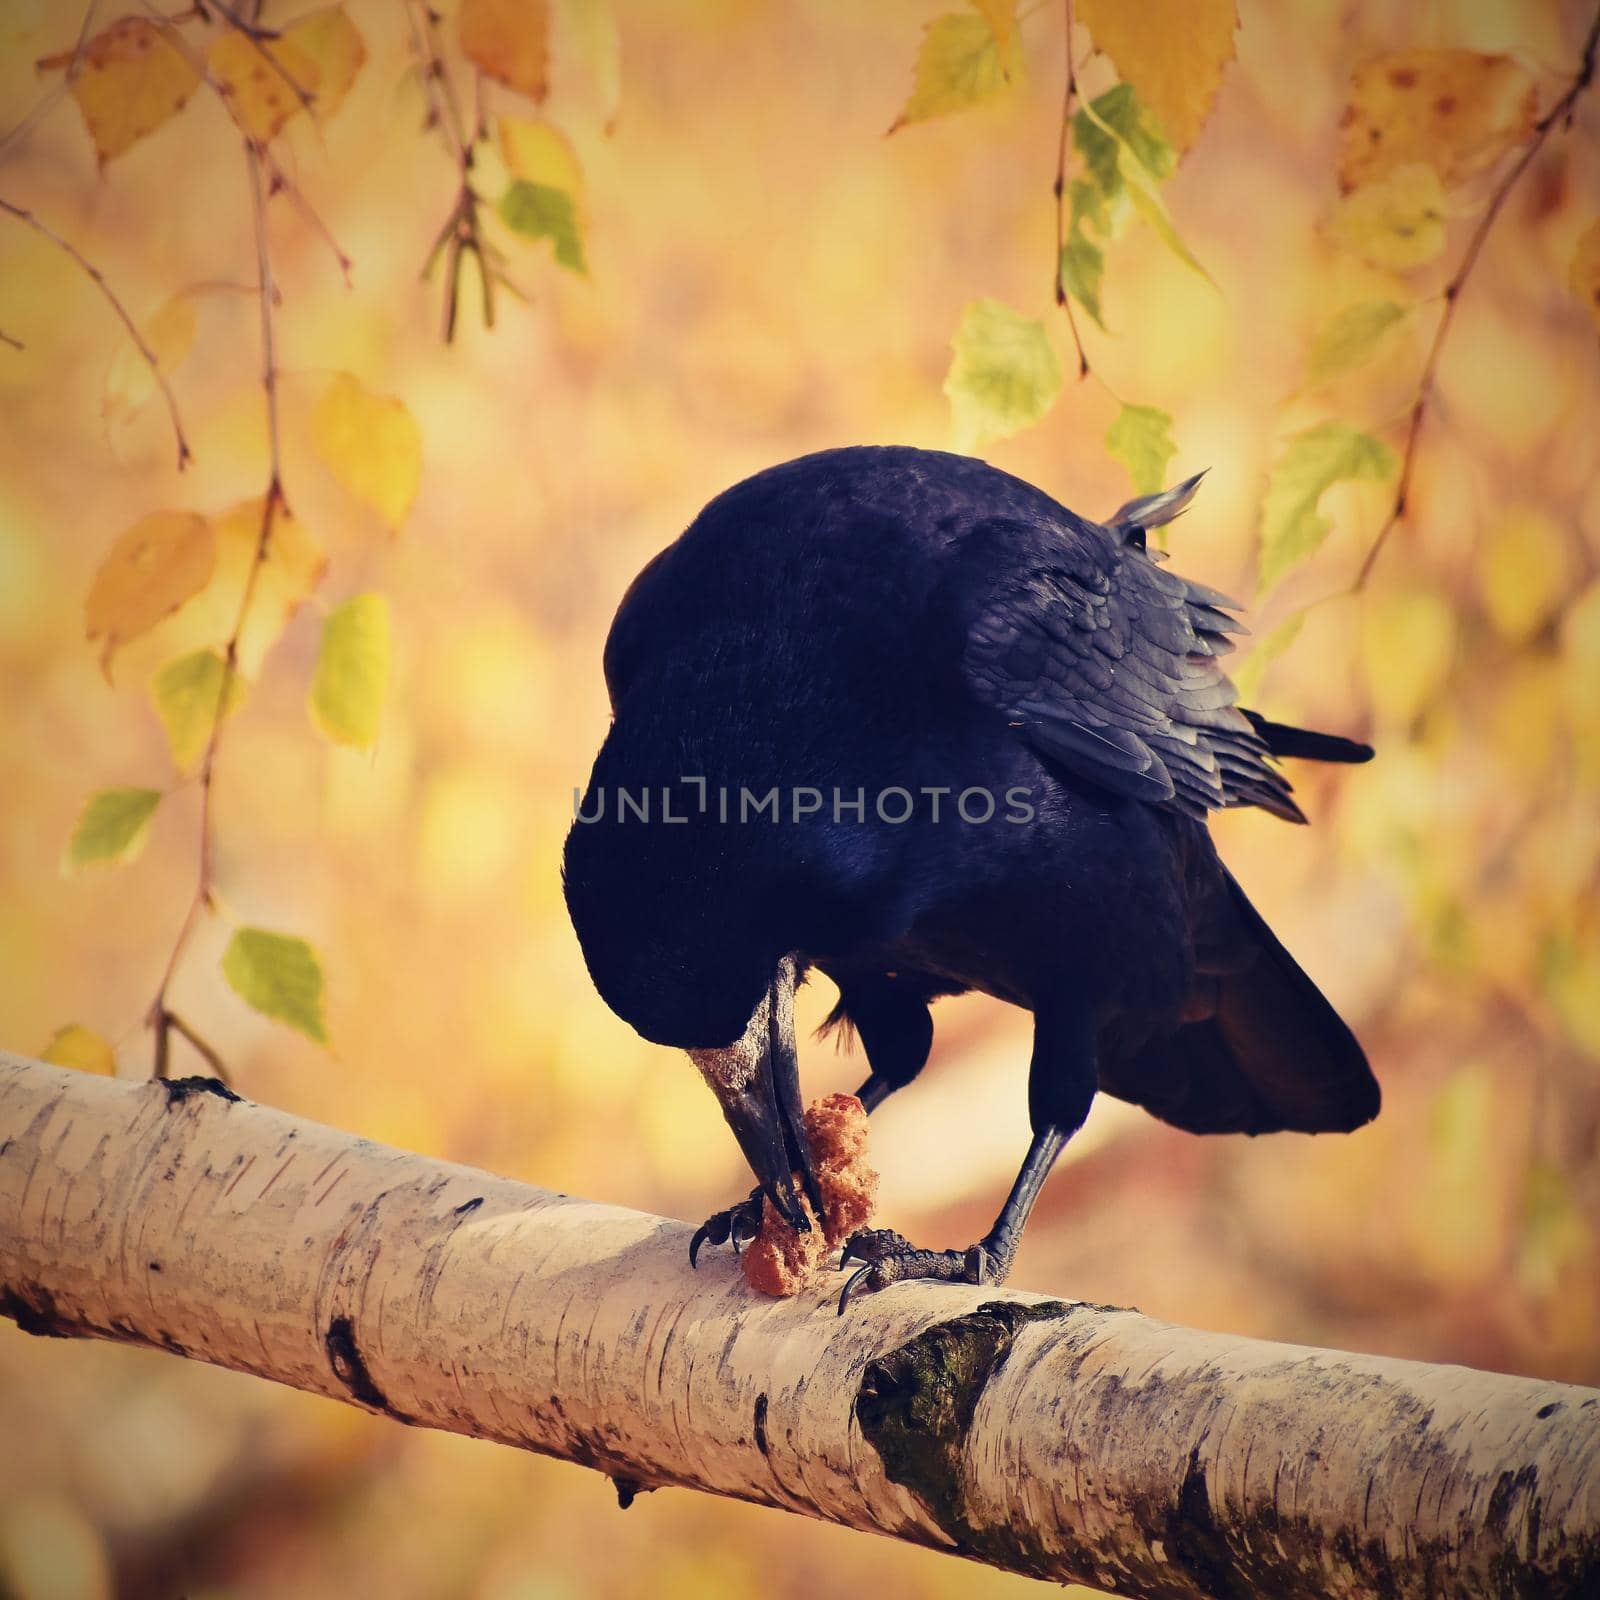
<point>1171,51</point>
<point>510,41</point>
<point>131,78</point>
<point>163,560</point>
<point>265,80</point>
<point>1584,274</point>
<point>1456,110</point>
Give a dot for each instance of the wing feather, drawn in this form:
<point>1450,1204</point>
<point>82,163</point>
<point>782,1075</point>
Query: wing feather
<point>1107,664</point>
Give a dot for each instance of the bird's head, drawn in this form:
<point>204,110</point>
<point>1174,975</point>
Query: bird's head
<point>685,946</point>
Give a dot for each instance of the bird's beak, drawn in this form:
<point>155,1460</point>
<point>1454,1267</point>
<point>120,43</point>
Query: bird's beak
<point>757,1082</point>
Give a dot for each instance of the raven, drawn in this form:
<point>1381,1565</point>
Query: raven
<point>900,717</point>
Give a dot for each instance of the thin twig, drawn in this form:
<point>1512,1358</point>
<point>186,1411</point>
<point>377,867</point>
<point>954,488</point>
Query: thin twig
<point>258,39</point>
<point>1561,111</point>
<point>19,135</point>
<point>27,218</point>
<point>12,340</point>
<point>462,234</point>
<point>1063,299</point>
<point>161,1018</point>
<point>279,181</point>
<point>207,1052</point>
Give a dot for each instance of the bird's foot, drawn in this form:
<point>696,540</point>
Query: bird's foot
<point>739,1224</point>
<point>890,1258</point>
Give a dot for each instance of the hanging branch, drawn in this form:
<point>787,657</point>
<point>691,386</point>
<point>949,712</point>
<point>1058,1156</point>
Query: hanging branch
<point>258,39</point>
<point>162,1020</point>
<point>1560,112</point>
<point>95,275</point>
<point>279,181</point>
<point>462,234</point>
<point>19,135</point>
<point>1063,299</point>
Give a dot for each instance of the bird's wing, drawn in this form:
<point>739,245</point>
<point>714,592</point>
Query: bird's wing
<point>1107,664</point>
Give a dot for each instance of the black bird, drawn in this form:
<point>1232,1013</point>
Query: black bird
<point>902,718</point>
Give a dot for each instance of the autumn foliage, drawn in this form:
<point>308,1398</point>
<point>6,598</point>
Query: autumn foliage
<point>353,359</point>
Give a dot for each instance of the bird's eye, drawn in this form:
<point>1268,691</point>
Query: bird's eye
<point>1135,537</point>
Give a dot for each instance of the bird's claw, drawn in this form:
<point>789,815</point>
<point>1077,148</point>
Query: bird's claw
<point>739,1224</point>
<point>891,1258</point>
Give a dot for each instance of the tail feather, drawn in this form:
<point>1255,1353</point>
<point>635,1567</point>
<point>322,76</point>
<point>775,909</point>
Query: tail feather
<point>1302,744</point>
<point>1271,1056</point>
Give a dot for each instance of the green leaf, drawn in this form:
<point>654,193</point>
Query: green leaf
<point>80,1048</point>
<point>1141,439</point>
<point>112,827</point>
<point>352,675</point>
<point>959,65</point>
<point>1248,679</point>
<point>1089,206</point>
<point>279,976</point>
<point>1004,376</point>
<point>1350,337</point>
<point>538,211</point>
<point>1291,526</point>
<point>1083,267</point>
<point>1114,122</point>
<point>186,693</point>
<point>1149,206</point>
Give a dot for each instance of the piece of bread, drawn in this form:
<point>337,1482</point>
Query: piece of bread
<point>779,1261</point>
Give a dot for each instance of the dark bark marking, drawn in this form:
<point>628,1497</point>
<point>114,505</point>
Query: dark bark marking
<point>915,1406</point>
<point>763,1444</point>
<point>181,1089</point>
<point>33,1308</point>
<point>350,1368</point>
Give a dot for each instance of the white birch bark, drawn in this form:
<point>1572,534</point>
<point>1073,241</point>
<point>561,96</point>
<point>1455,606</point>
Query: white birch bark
<point>1066,1440</point>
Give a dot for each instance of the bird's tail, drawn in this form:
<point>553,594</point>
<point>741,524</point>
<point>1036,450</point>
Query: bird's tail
<point>1302,744</point>
<point>1270,1054</point>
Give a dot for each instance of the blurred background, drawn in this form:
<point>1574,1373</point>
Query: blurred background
<point>768,274</point>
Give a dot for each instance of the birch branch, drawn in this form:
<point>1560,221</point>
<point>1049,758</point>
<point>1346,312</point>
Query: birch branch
<point>1069,1441</point>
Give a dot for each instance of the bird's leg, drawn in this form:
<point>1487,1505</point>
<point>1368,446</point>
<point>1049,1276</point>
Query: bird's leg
<point>739,1224</point>
<point>1061,1087</point>
<point>896,1031</point>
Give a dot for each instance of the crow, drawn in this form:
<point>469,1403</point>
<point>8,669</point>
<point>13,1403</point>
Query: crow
<point>898,717</point>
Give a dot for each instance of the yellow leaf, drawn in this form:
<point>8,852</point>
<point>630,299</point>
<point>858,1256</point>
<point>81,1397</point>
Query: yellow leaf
<point>267,80</point>
<point>129,381</point>
<point>539,153</point>
<point>1523,718</point>
<point>1522,571</point>
<point>1001,15</point>
<point>331,41</point>
<point>959,65</point>
<point>186,694</point>
<point>160,562</point>
<point>1172,51</point>
<point>509,40</point>
<point>293,568</point>
<point>371,444</point>
<point>1407,646</point>
<point>80,1048</point>
<point>131,78</point>
<point>1397,222</point>
<point>352,676</point>
<point>1584,275</point>
<point>1457,110</point>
